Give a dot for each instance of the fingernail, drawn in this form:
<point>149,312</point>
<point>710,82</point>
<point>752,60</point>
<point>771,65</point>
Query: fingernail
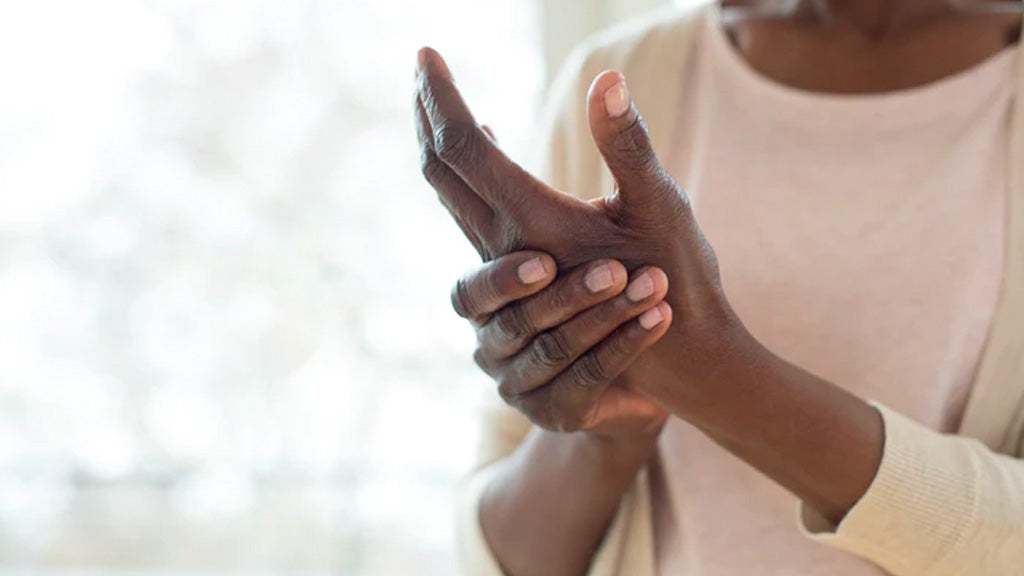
<point>599,279</point>
<point>641,288</point>
<point>650,319</point>
<point>421,60</point>
<point>616,100</point>
<point>532,271</point>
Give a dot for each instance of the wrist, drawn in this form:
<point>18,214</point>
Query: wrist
<point>699,352</point>
<point>620,452</point>
<point>640,438</point>
<point>629,450</point>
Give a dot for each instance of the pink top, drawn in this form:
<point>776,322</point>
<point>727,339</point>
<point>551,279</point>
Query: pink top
<point>860,237</point>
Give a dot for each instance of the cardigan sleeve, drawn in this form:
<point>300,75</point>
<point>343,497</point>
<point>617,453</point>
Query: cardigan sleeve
<point>939,505</point>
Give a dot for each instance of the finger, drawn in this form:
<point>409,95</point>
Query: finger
<point>554,351</point>
<point>510,329</point>
<point>621,135</point>
<point>500,282</point>
<point>472,214</point>
<point>490,132</point>
<point>570,402</point>
<point>461,144</point>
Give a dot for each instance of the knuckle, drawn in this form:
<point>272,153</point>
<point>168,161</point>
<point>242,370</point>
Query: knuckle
<point>639,158</point>
<point>557,407</point>
<point>633,150</point>
<point>589,372</point>
<point>633,140</point>
<point>566,294</point>
<point>551,350</point>
<point>512,324</point>
<point>548,409</point>
<point>462,299</point>
<point>500,281</point>
<point>614,313</point>
<point>542,411</point>
<point>455,141</point>
<point>431,166</point>
<point>508,389</point>
<point>483,359</point>
<point>617,347</point>
<point>510,237</point>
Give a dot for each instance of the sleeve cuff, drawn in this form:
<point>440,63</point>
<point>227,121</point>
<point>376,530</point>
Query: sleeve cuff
<point>918,507</point>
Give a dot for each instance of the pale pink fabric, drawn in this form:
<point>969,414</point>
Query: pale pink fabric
<point>860,237</point>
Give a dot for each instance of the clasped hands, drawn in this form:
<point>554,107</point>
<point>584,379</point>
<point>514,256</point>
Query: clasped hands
<point>587,313</point>
<point>588,349</point>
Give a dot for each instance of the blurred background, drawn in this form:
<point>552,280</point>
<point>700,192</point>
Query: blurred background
<point>225,338</point>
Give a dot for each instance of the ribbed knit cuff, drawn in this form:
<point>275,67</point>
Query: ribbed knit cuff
<point>918,507</point>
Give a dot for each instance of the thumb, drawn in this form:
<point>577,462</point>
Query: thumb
<point>621,135</point>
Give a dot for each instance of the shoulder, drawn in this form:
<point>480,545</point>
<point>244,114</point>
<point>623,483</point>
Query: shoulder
<point>650,51</point>
<point>640,43</point>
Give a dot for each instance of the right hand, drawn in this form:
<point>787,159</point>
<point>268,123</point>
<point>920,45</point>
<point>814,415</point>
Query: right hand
<point>555,345</point>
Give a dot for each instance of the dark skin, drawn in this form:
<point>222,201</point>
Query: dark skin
<point>614,381</point>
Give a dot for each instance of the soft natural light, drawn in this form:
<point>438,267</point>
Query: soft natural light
<point>226,337</point>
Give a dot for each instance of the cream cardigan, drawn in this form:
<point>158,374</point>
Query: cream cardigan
<point>940,504</point>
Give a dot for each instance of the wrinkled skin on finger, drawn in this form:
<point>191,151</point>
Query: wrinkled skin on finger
<point>648,220</point>
<point>811,436</point>
<point>554,345</point>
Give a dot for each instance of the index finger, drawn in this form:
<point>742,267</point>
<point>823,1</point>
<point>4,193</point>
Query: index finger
<point>461,143</point>
<point>499,282</point>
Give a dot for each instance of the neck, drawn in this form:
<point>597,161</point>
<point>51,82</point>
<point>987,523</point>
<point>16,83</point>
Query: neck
<point>876,18</point>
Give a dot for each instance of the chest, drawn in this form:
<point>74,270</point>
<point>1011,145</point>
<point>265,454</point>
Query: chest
<point>879,271</point>
<point>865,243</point>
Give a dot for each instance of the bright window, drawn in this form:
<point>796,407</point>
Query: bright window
<point>225,339</point>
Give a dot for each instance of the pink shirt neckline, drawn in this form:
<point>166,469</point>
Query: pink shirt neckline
<point>883,110</point>
<point>861,237</point>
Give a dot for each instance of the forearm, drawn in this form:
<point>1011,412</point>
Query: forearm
<point>549,506</point>
<point>812,437</point>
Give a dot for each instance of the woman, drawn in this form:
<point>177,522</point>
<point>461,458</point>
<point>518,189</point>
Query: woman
<point>831,315</point>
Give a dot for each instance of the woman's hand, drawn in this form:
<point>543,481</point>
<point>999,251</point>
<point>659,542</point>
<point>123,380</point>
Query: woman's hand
<point>648,221</point>
<point>811,436</point>
<point>556,345</point>
<point>502,208</point>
